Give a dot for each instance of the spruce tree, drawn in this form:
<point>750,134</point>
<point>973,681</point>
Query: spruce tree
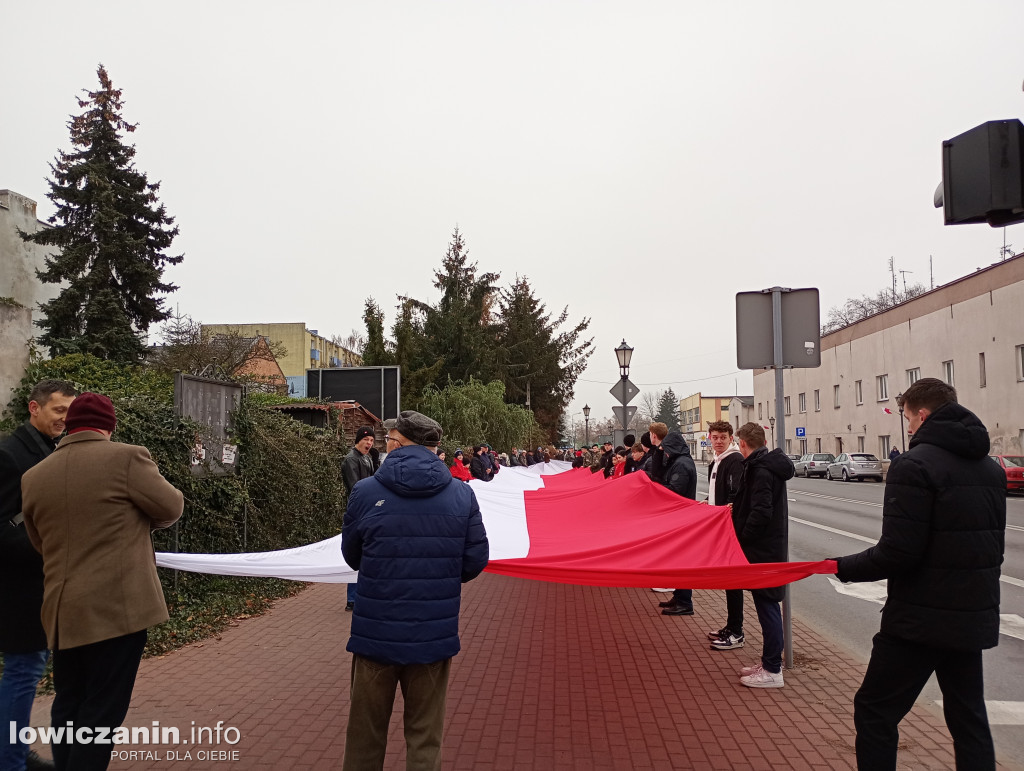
<point>668,410</point>
<point>112,234</point>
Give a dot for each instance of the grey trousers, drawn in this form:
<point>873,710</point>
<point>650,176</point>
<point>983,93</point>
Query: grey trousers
<point>424,689</point>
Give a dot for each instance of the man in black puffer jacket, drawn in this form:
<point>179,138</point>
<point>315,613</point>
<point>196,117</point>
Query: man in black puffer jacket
<point>943,525</point>
<point>760,515</point>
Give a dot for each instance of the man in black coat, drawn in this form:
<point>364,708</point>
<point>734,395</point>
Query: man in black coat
<point>480,466</point>
<point>760,515</point>
<point>680,476</point>
<point>943,528</point>
<point>22,638</point>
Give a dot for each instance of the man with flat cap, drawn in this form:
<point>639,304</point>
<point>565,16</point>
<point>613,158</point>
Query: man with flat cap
<point>415,535</point>
<point>89,508</point>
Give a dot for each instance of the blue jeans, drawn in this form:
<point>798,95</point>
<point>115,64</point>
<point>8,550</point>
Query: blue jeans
<point>770,615</point>
<point>351,594</point>
<point>17,692</point>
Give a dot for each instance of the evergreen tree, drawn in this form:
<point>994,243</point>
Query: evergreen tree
<point>112,235</point>
<point>530,351</point>
<point>668,410</point>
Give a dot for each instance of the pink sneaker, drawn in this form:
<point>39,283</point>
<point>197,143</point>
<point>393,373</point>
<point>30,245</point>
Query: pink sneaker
<point>762,678</point>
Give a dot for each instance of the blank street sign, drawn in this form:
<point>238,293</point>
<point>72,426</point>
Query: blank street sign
<point>801,329</point>
<point>624,391</point>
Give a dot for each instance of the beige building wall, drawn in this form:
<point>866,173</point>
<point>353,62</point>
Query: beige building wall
<point>19,260</point>
<point>976,322</point>
<point>696,411</point>
<point>306,348</point>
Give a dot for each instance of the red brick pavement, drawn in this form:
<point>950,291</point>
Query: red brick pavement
<point>550,677</point>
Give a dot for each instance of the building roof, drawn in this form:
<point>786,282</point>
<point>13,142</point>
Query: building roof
<point>321,407</point>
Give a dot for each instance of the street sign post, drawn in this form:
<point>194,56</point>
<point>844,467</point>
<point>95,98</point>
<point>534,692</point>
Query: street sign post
<point>777,329</point>
<point>624,391</point>
<point>623,417</point>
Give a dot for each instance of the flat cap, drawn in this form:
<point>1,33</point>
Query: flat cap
<point>418,428</point>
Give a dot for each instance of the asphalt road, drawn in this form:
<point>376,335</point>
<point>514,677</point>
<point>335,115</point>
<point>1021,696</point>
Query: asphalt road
<point>829,519</point>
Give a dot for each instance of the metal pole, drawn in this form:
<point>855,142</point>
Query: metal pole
<point>780,419</point>
<point>587,440</point>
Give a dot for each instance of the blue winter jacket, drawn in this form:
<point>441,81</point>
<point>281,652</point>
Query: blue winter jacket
<point>415,535</point>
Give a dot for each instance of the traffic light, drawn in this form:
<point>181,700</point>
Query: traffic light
<point>983,175</point>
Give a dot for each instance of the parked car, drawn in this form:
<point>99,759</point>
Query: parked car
<point>1013,465</point>
<point>814,464</point>
<point>855,465</point>
<point>793,457</point>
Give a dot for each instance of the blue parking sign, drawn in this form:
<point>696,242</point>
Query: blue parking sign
<point>801,431</point>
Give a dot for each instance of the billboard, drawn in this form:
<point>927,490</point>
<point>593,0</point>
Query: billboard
<point>378,389</point>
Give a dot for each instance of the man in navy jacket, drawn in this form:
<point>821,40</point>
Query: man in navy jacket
<point>415,535</point>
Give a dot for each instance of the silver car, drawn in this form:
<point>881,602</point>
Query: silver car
<point>813,464</point>
<point>855,465</point>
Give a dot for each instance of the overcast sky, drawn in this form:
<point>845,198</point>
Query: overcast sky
<point>640,162</point>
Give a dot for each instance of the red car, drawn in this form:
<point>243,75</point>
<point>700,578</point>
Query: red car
<point>1013,465</point>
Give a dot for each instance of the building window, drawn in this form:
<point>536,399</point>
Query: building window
<point>789,446</point>
<point>860,444</point>
<point>785,401</point>
<point>802,402</point>
<point>835,398</point>
<point>884,446</point>
<point>947,372</point>
<point>883,387</point>
<point>803,446</point>
<point>1020,363</point>
<point>981,369</point>
<point>818,443</point>
<point>817,400</point>
<point>858,391</point>
<point>913,375</point>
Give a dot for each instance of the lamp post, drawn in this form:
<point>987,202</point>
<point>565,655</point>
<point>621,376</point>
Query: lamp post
<point>771,423</point>
<point>624,353</point>
<point>586,421</point>
<point>899,403</point>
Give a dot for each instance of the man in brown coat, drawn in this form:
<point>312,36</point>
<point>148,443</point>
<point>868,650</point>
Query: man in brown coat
<point>89,508</point>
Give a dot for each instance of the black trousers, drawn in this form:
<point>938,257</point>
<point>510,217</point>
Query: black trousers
<point>896,674</point>
<point>93,685</point>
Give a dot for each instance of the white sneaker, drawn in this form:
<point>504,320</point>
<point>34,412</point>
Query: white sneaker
<point>762,678</point>
<point>749,670</point>
<point>662,590</point>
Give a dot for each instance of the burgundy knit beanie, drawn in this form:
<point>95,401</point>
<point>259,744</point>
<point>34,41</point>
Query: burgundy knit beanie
<point>90,411</point>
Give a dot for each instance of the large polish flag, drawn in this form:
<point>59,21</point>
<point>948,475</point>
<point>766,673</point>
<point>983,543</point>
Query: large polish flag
<point>549,523</point>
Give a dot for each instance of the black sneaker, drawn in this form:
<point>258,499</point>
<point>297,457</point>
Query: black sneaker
<point>36,763</point>
<point>728,641</point>
<point>720,633</point>
<point>349,606</point>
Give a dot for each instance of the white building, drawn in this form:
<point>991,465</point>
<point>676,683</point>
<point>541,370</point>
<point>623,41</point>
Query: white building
<point>969,333</point>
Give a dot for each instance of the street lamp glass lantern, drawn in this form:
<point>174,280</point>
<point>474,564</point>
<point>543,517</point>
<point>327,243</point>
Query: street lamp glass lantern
<point>586,410</point>
<point>624,353</point>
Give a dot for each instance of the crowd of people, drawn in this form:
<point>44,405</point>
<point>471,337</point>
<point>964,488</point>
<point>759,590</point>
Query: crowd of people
<point>76,516</point>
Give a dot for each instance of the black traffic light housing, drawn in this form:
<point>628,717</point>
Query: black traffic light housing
<point>983,175</point>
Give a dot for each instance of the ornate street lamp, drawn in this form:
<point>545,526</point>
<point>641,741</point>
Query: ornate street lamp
<point>624,353</point>
<point>771,423</point>
<point>586,420</point>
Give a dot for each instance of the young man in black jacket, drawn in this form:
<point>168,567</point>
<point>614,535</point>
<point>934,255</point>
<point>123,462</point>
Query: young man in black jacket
<point>724,476</point>
<point>680,476</point>
<point>760,515</point>
<point>943,529</point>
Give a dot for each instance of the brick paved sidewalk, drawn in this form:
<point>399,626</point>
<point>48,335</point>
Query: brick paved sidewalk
<point>550,677</point>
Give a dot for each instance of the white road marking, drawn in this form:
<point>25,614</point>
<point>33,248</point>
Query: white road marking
<point>1005,579</point>
<point>872,591</point>
<point>1008,527</point>
<point>1011,625</point>
<point>872,541</point>
<point>1002,712</point>
<point>834,498</point>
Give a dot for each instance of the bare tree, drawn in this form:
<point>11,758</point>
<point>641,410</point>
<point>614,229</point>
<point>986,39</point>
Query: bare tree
<point>187,347</point>
<point>353,341</point>
<point>859,308</point>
